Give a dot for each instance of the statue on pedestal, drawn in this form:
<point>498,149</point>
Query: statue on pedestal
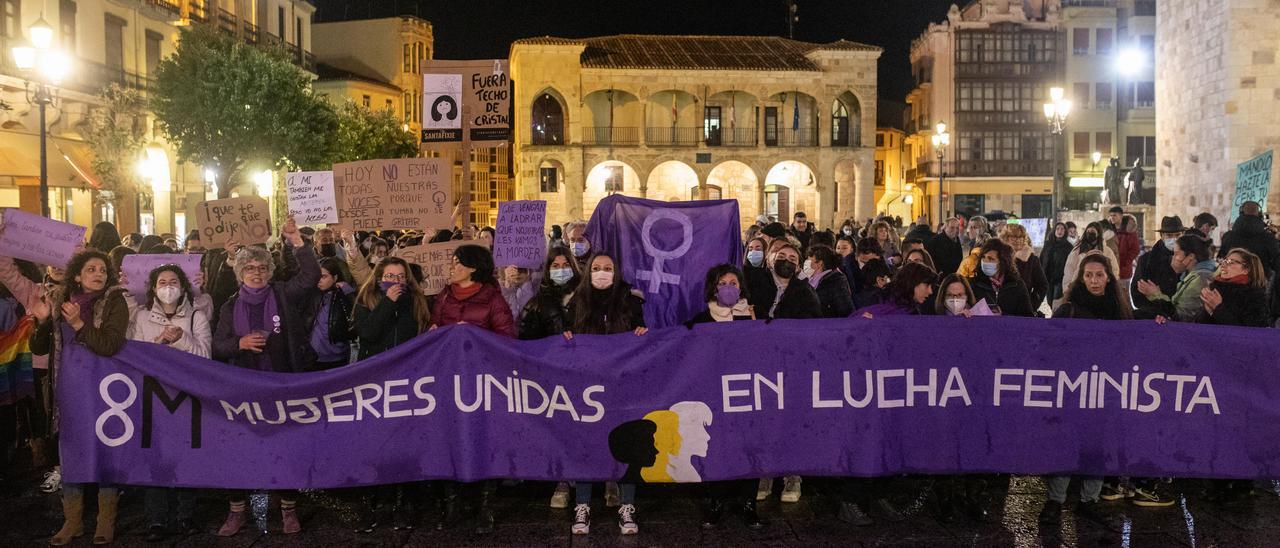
<point>1133,182</point>
<point>1113,187</point>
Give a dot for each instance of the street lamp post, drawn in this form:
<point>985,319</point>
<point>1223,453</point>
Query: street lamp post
<point>43,67</point>
<point>1056,112</point>
<point>941,140</point>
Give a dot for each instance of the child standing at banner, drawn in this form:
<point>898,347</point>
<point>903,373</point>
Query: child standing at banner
<point>604,304</point>
<point>169,317</point>
<point>92,304</point>
<point>262,327</point>
<point>390,309</point>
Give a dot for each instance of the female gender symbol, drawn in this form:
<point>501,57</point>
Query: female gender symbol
<point>657,276</point>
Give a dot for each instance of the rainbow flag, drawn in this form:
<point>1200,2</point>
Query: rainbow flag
<point>17,381</point>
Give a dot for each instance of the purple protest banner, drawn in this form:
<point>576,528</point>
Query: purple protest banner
<point>137,269</point>
<point>518,237</point>
<point>34,238</point>
<point>835,397</point>
<point>666,248</point>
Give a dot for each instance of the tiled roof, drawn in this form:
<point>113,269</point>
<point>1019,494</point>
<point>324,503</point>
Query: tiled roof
<point>698,52</point>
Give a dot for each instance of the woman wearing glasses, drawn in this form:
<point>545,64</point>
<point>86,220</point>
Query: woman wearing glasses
<point>1237,295</point>
<point>262,327</point>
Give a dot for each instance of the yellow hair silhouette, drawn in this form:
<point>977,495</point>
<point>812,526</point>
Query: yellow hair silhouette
<point>667,441</point>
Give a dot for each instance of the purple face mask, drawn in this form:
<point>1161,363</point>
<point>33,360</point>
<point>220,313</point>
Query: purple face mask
<point>386,286</point>
<point>727,295</point>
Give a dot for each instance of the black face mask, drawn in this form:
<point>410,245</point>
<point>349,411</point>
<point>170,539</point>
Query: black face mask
<point>329,250</point>
<point>1090,237</point>
<point>784,268</point>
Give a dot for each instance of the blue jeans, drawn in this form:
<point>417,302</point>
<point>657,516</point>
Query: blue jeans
<point>1090,488</point>
<point>582,492</point>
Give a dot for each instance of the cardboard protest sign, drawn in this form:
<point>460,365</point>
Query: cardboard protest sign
<point>312,200</point>
<point>244,220</point>
<point>34,238</point>
<point>435,260</point>
<point>137,269</point>
<point>518,235</point>
<point>399,194</point>
<point>484,89</point>
<point>1253,182</point>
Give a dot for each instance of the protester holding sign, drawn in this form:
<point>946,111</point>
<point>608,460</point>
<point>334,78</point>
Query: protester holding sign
<point>604,304</point>
<point>169,317</point>
<point>261,327</point>
<point>92,304</point>
<point>725,291</point>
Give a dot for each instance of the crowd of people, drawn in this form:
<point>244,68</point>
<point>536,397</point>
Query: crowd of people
<point>315,300</point>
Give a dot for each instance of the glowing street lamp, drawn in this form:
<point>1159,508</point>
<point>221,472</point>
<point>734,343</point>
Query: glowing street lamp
<point>43,67</point>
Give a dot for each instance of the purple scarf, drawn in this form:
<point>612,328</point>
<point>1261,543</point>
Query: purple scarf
<point>86,300</point>
<point>250,297</point>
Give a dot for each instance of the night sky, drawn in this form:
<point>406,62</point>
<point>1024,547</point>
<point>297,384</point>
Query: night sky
<point>474,29</point>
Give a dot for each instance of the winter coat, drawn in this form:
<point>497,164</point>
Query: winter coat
<point>546,314</point>
<point>1154,266</point>
<point>1250,232</point>
<point>833,295</point>
<point>799,301</point>
<point>1241,305</point>
<point>388,324</point>
<point>486,310</point>
<point>1083,305</point>
<point>149,323</point>
<point>105,336</point>
<point>290,349</point>
<point>741,311</point>
<point>1033,275</point>
<point>1012,297</point>
<point>594,323</point>
<point>852,274</point>
<point>1053,260</point>
<point>1185,304</point>
<point>1128,249</point>
<point>946,252</point>
<point>870,295</point>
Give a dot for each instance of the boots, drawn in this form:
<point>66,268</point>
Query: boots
<point>484,515</point>
<point>73,519</point>
<point>751,517</point>
<point>108,506</point>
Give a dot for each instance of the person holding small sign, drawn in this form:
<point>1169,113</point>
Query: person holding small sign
<point>261,327</point>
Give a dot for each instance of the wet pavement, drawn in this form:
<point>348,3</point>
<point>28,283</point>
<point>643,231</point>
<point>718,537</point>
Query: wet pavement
<point>669,516</point>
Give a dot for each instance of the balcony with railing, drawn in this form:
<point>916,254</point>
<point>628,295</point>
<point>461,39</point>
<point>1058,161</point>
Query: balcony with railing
<point>732,137</point>
<point>1007,70</point>
<point>611,136</point>
<point>979,118</point>
<point>226,21</point>
<point>800,137</point>
<point>90,77</point>
<point>672,136</point>
<point>173,6</point>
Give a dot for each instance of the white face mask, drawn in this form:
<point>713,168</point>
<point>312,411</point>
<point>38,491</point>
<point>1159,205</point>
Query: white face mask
<point>1072,240</point>
<point>807,271</point>
<point>168,294</point>
<point>602,279</point>
<point>956,305</point>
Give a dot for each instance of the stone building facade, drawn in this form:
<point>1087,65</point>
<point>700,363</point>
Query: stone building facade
<point>1218,86</point>
<point>782,126</point>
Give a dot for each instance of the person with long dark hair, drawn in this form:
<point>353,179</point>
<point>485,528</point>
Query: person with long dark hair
<point>725,293</point>
<point>1090,240</point>
<point>92,304</point>
<point>169,316</point>
<point>1053,257</point>
<point>104,238</point>
<point>997,281</point>
<point>906,294</point>
<point>546,313</point>
<point>828,282</point>
<point>329,315</point>
<point>603,304</point>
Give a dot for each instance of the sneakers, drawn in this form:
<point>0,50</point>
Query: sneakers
<point>1051,514</point>
<point>581,519</point>
<point>886,511</point>
<point>52,480</point>
<point>1150,497</point>
<point>850,513</point>
<point>791,489</point>
<point>1116,491</point>
<point>764,489</point>
<point>627,519</point>
<point>560,498</point>
<point>611,497</point>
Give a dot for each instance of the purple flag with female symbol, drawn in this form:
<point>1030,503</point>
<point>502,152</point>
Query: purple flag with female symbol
<point>666,249</point>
